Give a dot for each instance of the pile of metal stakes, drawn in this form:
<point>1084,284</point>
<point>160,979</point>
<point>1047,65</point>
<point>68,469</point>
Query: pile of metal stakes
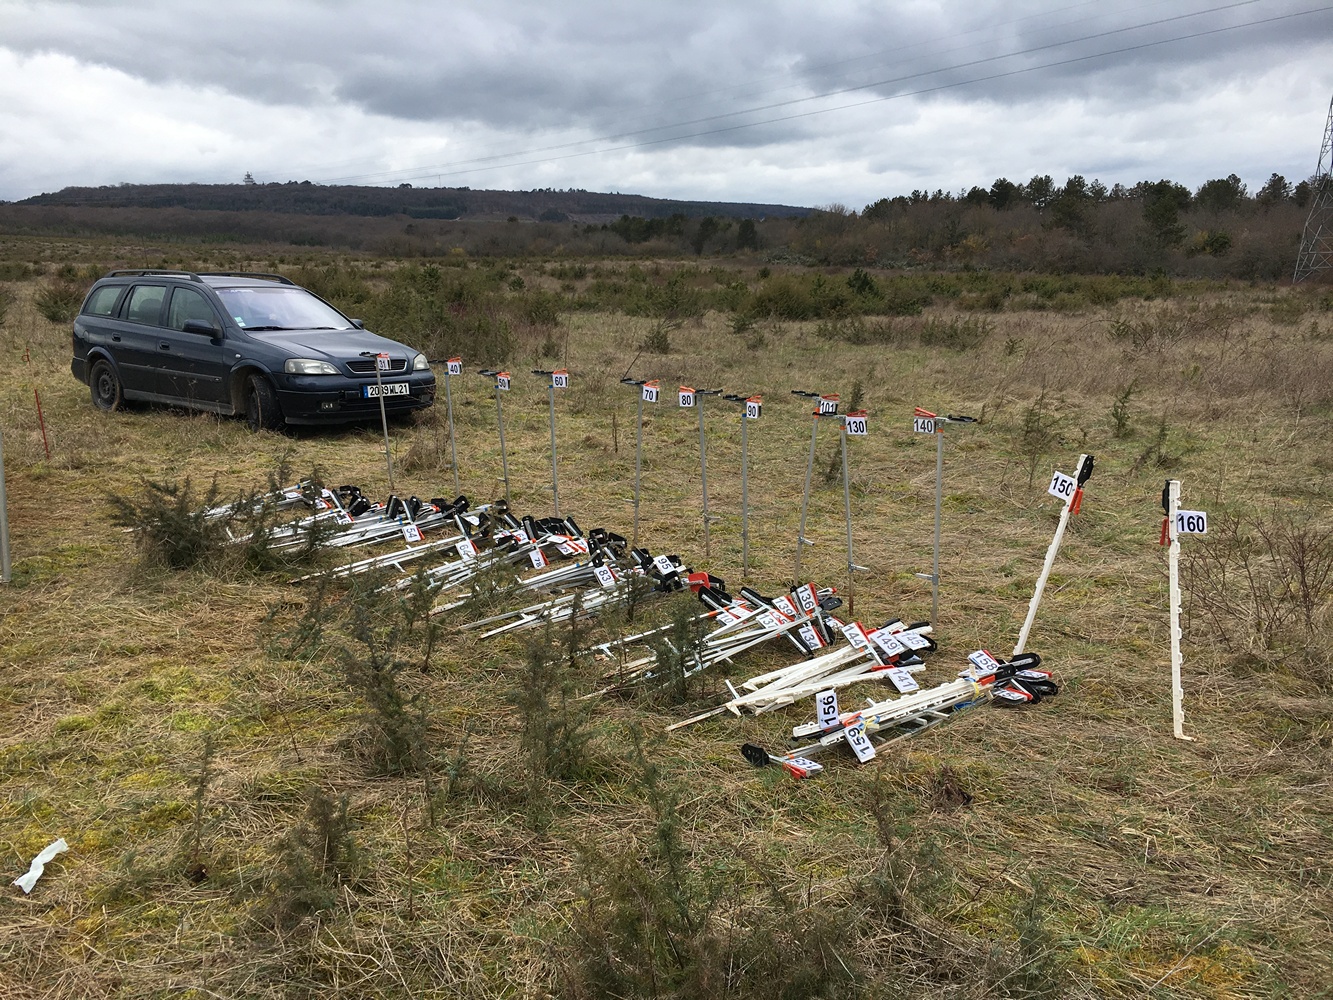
<point>574,574</point>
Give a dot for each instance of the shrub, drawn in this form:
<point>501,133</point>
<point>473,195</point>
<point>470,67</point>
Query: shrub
<point>59,302</point>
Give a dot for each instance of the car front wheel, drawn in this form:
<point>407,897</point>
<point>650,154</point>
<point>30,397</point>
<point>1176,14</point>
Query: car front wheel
<point>104,384</point>
<point>262,412</point>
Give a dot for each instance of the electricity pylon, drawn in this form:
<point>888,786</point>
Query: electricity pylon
<point>1316,254</point>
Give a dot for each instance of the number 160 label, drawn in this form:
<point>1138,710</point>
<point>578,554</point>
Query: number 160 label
<point>1191,522</point>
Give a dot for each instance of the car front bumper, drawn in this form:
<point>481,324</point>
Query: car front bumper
<point>319,399</point>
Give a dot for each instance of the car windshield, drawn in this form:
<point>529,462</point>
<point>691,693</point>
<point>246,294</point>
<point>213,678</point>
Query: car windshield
<point>280,308</point>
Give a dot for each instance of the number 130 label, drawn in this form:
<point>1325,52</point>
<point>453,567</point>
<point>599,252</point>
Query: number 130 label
<point>855,424</point>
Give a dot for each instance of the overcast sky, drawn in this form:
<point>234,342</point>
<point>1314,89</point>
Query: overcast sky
<point>802,103</point>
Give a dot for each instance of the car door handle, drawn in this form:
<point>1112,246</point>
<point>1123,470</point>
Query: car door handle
<point>116,337</point>
<point>164,346</point>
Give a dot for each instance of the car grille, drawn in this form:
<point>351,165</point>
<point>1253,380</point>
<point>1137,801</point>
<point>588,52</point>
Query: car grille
<point>366,366</point>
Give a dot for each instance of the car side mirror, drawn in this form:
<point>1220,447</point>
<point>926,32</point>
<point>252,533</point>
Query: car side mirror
<point>360,324</point>
<point>199,327</point>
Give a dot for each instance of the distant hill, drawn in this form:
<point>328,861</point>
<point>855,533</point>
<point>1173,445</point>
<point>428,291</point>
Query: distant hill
<point>462,204</point>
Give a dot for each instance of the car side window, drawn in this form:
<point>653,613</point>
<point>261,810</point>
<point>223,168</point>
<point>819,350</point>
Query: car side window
<point>102,302</point>
<point>186,305</point>
<point>145,304</point>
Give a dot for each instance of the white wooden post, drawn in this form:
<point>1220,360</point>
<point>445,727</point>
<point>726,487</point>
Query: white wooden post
<point>1079,479</point>
<point>1173,577</point>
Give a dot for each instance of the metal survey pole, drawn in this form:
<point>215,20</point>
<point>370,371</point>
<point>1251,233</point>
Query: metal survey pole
<point>854,424</point>
<point>752,408</point>
<point>382,365</point>
<point>6,569</point>
<point>691,397</point>
<point>454,366</point>
<point>559,380</point>
<point>828,406</point>
<point>925,422</point>
<point>1069,489</point>
<point>501,385</point>
<point>647,393</point>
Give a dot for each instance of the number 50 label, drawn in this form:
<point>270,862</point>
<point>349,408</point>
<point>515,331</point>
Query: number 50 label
<point>1191,522</point>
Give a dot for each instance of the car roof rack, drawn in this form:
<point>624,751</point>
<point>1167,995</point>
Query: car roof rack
<point>193,276</point>
<point>247,274</point>
<point>143,271</point>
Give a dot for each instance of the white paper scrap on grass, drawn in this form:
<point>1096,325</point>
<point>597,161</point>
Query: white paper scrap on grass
<point>26,882</point>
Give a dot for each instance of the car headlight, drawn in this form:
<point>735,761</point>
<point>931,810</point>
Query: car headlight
<point>420,363</point>
<point>308,366</point>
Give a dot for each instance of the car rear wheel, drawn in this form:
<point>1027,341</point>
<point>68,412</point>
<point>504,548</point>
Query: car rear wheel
<point>104,384</point>
<point>262,412</point>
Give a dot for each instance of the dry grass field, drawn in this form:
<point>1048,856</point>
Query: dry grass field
<point>237,827</point>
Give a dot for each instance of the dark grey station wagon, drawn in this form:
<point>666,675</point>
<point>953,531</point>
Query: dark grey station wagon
<point>239,343</point>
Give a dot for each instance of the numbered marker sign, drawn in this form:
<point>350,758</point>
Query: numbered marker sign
<point>753,407</point>
<point>537,559</point>
<point>912,640</point>
<point>810,637</point>
<point>855,423</point>
<point>664,565</point>
<point>560,379</point>
<point>467,550</point>
<point>650,392</point>
<point>686,396</point>
<point>828,404</point>
<point>826,708</point>
<point>923,425</point>
<point>860,742</point>
<point>808,598</point>
<point>502,381</point>
<point>1191,522</point>
<point>411,532</point>
<point>454,366</point>
<point>903,680</point>
<point>983,661</point>
<point>604,576</point>
<point>1062,487</point>
<point>381,362</point>
<point>856,635</point>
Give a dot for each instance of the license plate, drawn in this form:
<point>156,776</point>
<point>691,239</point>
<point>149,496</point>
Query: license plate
<point>388,389</point>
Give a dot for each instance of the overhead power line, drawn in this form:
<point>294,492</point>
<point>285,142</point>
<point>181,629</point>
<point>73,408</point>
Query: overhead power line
<point>541,154</point>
